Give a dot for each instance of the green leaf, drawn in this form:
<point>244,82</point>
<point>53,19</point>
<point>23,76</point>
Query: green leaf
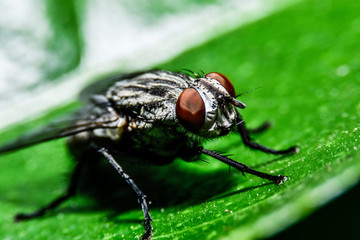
<point>302,70</point>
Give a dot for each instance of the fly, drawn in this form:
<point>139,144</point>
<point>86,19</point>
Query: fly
<point>125,113</point>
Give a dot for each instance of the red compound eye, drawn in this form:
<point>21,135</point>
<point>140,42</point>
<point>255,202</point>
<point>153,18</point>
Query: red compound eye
<point>190,110</point>
<point>223,80</point>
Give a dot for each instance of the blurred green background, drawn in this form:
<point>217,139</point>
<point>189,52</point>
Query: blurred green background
<point>300,63</point>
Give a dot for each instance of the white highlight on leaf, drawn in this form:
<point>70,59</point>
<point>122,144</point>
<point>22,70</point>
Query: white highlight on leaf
<point>115,40</point>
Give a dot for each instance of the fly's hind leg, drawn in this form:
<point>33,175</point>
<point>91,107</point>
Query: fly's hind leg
<point>71,191</point>
<point>140,194</point>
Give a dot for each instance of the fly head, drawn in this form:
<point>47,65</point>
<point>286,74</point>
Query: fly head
<point>208,107</point>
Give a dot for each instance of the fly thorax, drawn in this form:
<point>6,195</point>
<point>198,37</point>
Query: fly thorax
<point>149,96</point>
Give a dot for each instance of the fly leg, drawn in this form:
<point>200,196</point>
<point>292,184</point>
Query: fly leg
<point>140,194</point>
<point>263,127</point>
<point>245,135</point>
<point>242,167</point>
<point>71,191</point>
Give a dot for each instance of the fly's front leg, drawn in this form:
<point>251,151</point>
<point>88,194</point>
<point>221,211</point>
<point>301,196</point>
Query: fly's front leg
<point>242,167</point>
<point>263,127</point>
<point>71,191</point>
<point>140,194</point>
<point>244,132</point>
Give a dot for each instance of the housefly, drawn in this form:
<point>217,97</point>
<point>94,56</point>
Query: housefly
<point>155,116</point>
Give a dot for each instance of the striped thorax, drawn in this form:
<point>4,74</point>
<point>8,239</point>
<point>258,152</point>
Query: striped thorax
<point>202,105</point>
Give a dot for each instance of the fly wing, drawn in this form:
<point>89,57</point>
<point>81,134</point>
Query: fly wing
<point>98,117</point>
<point>59,129</point>
<point>93,116</point>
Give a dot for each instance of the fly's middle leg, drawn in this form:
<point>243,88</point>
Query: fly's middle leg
<point>279,179</point>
